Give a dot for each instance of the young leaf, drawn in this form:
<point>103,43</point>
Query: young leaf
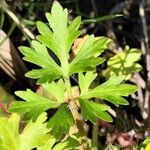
<point>92,111</point>
<point>33,135</point>
<point>112,91</point>
<point>85,81</point>
<point>69,144</point>
<point>61,36</point>
<point>9,135</point>
<point>86,59</point>
<point>61,121</point>
<point>73,31</point>
<point>39,56</point>
<point>48,145</point>
<point>33,105</point>
<point>57,89</point>
<point>124,63</point>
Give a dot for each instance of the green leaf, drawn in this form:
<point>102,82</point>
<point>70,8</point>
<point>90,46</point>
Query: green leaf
<point>57,89</point>
<point>112,91</point>
<point>44,29</point>
<point>124,63</point>
<point>87,58</point>
<point>92,111</point>
<point>9,135</point>
<point>73,31</point>
<point>59,37</point>
<point>39,56</point>
<point>48,145</point>
<point>33,105</point>
<point>60,44</point>
<point>71,143</point>
<point>61,121</point>
<point>85,81</point>
<point>58,23</point>
<point>33,135</point>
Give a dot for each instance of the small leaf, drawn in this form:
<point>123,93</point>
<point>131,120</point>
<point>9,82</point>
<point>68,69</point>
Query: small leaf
<point>44,29</point>
<point>73,31</point>
<point>124,63</point>
<point>87,58</point>
<point>69,144</point>
<point>61,121</point>
<point>9,135</point>
<point>92,111</point>
<point>85,81</point>
<point>40,57</point>
<point>48,145</point>
<point>33,105</point>
<point>112,91</point>
<point>35,133</point>
<point>57,89</point>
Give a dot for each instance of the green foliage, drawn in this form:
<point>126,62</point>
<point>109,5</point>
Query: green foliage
<point>112,91</point>
<point>69,144</point>
<point>85,81</point>
<point>61,36</point>
<point>124,63</point>
<point>96,111</point>
<point>87,59</point>
<point>145,145</point>
<point>33,135</point>
<point>59,93</point>
<point>65,119</point>
<point>54,76</point>
<point>36,56</point>
<point>33,105</point>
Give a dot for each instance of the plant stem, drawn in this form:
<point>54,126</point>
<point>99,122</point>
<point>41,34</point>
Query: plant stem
<point>77,118</point>
<point>95,136</point>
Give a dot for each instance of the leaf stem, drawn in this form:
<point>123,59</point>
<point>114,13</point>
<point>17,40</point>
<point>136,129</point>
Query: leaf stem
<point>77,118</point>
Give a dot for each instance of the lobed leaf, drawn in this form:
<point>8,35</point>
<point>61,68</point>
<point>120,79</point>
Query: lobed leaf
<point>124,63</point>
<point>48,144</point>
<point>87,58</point>
<point>57,89</point>
<point>70,143</point>
<point>39,56</point>
<point>64,116</point>
<point>112,91</point>
<point>33,135</point>
<point>92,111</point>
<point>85,81</point>
<point>60,36</point>
<point>33,105</point>
<point>9,135</point>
